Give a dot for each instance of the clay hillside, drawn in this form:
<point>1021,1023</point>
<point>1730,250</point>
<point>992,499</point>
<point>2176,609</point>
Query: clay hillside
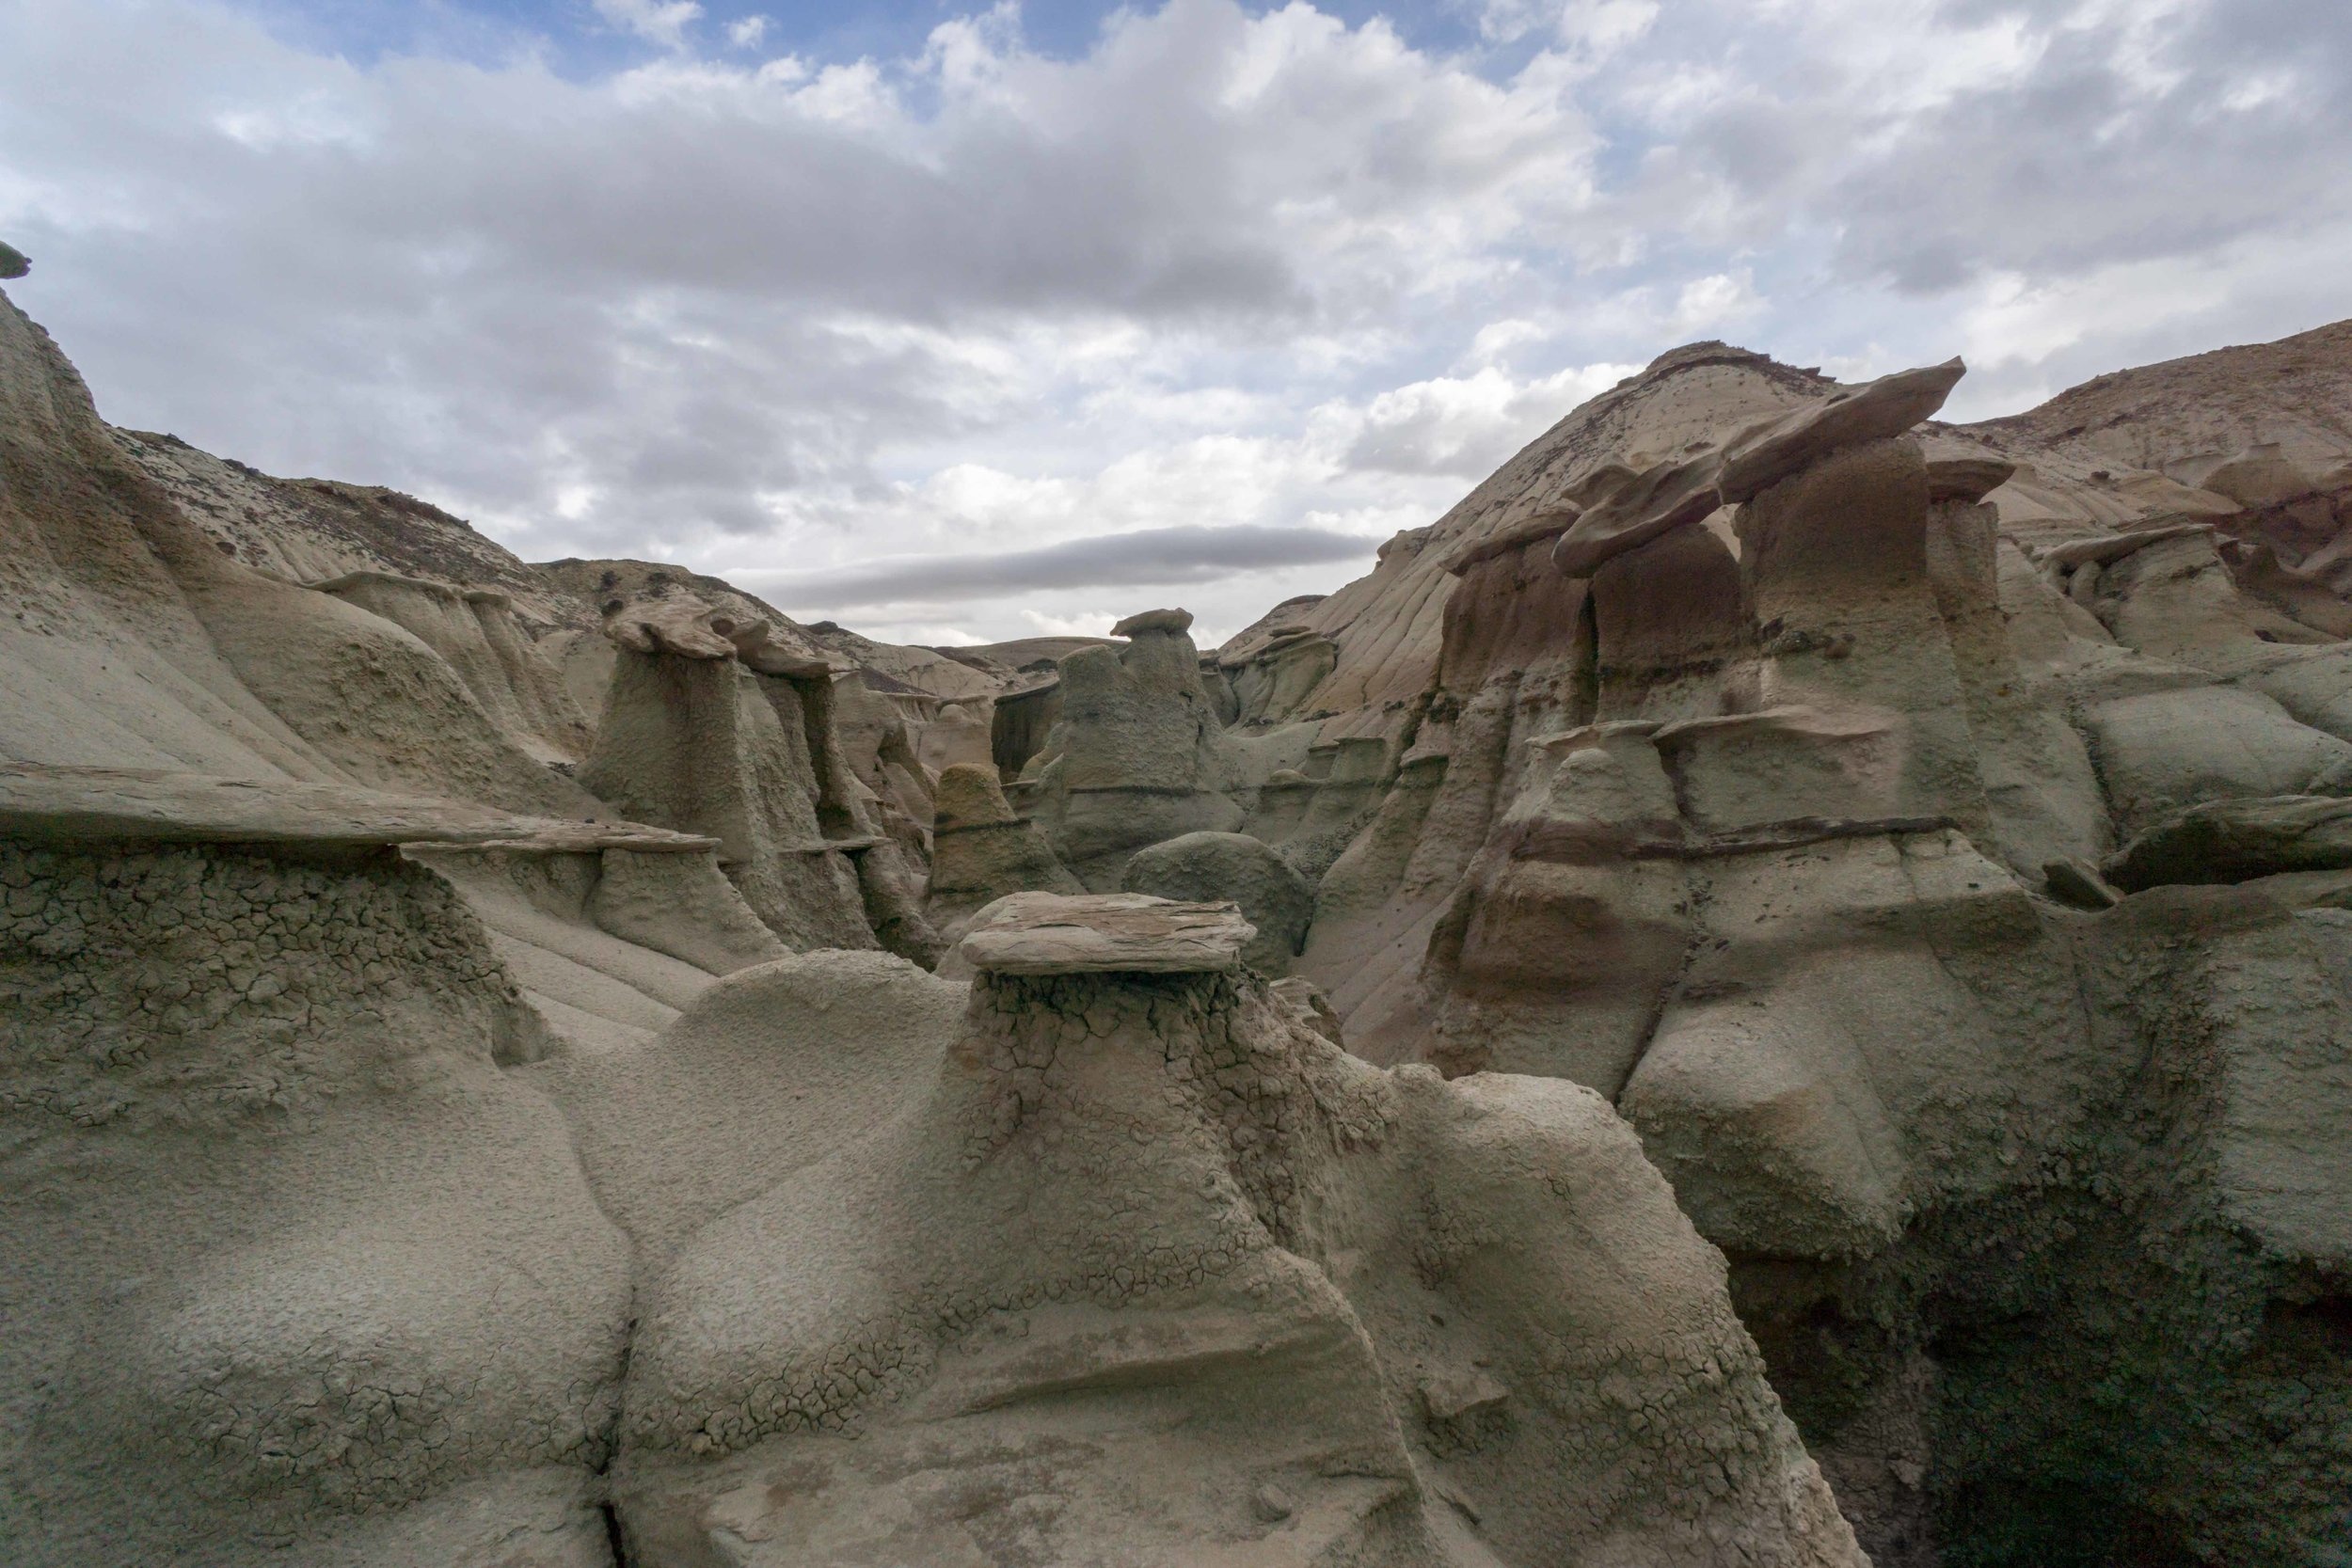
<point>1772,990</point>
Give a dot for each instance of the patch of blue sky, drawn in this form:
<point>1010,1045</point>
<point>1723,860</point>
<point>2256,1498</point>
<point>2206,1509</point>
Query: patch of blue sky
<point>579,39</point>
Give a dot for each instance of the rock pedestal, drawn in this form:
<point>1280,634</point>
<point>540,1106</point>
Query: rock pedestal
<point>1304,1310</point>
<point>1135,754</point>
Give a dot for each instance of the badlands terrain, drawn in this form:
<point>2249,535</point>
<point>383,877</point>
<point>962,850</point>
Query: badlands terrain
<point>1773,988</point>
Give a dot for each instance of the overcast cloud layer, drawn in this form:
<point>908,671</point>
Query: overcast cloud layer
<point>979,335</point>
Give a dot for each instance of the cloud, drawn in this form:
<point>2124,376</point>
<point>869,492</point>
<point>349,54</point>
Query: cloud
<point>746,304</point>
<point>1142,558</point>
<point>1070,626</point>
<point>662,22</point>
<point>1467,426</point>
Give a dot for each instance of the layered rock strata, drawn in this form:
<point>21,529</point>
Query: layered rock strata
<point>980,851</point>
<point>1756,853</point>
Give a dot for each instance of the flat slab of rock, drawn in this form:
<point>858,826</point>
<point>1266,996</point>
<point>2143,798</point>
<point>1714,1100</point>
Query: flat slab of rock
<point>1051,933</point>
<point>2078,882</point>
<point>1628,509</point>
<point>1169,621</point>
<point>2234,841</point>
<point>683,624</point>
<point>81,805</point>
<point>1965,477</point>
<point>1548,523</point>
<point>1761,457</point>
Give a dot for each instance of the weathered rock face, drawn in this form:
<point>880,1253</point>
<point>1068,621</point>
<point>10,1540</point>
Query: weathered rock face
<point>476,632</point>
<point>716,725</point>
<point>1909,866</point>
<point>1136,755</point>
<point>1301,1310</point>
<point>218,1066</point>
<point>1747,829</point>
<point>132,642</point>
<point>980,851</point>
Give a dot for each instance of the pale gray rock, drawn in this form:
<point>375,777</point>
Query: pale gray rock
<point>980,851</point>
<point>1152,1207</point>
<point>1046,933</point>
<point>1274,899</point>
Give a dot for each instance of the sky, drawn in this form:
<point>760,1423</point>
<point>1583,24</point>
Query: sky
<point>956,325</point>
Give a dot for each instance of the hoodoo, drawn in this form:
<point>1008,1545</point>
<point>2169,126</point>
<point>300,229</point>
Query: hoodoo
<point>1773,988</point>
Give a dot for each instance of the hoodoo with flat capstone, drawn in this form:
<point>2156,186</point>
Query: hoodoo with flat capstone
<point>1816,947</point>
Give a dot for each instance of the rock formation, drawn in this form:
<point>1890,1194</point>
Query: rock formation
<point>980,851</point>
<point>721,726</point>
<point>1731,795</point>
<point>1772,987</point>
<point>241,1030</point>
<point>1135,754</point>
<point>1143,1271</point>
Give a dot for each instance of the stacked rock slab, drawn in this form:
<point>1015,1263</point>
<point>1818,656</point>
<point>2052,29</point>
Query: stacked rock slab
<point>1149,1271</point>
<point>1467,643</point>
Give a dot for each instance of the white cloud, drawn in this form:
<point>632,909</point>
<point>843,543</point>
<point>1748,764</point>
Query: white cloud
<point>1070,626</point>
<point>1461,426</point>
<point>1599,28</point>
<point>662,22</point>
<point>1718,300</point>
<point>1222,267</point>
